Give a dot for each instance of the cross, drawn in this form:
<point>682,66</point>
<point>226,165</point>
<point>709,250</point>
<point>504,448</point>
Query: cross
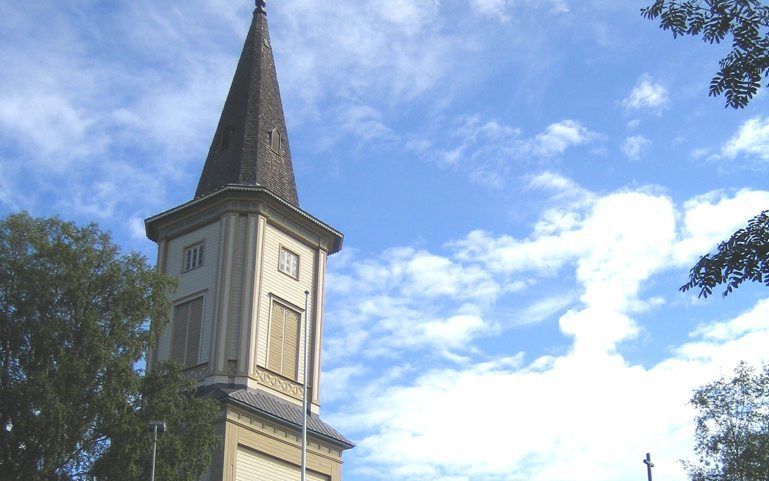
<point>649,466</point>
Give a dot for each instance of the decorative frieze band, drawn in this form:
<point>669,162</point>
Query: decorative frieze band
<point>278,383</point>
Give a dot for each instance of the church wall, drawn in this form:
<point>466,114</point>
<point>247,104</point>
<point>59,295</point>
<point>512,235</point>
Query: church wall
<point>250,437</point>
<point>250,465</point>
<point>201,280</point>
<point>276,284</point>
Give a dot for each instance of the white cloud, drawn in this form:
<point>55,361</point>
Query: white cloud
<point>492,8</point>
<point>576,416</point>
<point>647,94</point>
<point>336,382</point>
<point>500,9</point>
<point>568,415</point>
<point>408,300</point>
<point>559,136</point>
<point>634,146</point>
<point>752,140</point>
<point>711,218</point>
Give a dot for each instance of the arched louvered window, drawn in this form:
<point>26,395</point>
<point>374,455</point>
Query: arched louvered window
<point>185,342</point>
<point>284,341</point>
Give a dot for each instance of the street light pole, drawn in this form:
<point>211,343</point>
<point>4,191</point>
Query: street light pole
<point>303,475</point>
<point>155,427</point>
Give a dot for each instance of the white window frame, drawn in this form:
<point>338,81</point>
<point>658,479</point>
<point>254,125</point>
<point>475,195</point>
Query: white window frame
<point>285,267</point>
<point>192,256</point>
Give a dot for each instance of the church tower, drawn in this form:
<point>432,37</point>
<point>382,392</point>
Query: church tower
<point>251,266</point>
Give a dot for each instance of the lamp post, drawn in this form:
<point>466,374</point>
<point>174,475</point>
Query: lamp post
<point>303,472</point>
<point>155,427</point>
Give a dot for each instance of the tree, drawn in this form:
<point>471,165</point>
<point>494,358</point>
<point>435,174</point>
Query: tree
<point>74,313</point>
<point>747,23</point>
<point>732,428</point>
<point>744,257</point>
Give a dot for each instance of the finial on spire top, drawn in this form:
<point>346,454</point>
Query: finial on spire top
<point>261,6</point>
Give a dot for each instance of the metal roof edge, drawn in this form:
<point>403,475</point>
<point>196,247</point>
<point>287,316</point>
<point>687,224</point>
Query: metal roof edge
<point>285,422</point>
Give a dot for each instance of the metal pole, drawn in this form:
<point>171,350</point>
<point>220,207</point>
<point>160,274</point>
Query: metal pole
<point>155,427</point>
<point>304,387</point>
<point>154,449</point>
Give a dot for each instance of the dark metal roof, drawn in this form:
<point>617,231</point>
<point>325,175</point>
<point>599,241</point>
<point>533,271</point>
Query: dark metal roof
<point>273,407</point>
<point>243,151</point>
<point>287,413</point>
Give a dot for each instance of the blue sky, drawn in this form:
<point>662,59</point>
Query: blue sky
<point>523,185</point>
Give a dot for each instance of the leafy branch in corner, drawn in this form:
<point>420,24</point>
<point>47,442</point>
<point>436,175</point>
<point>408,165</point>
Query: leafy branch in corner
<point>746,21</point>
<point>743,257</point>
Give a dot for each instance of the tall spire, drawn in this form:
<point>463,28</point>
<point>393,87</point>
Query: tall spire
<point>250,146</point>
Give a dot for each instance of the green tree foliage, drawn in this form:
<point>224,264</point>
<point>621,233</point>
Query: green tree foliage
<point>744,257</point>
<point>747,23</point>
<point>74,313</point>
<point>732,428</point>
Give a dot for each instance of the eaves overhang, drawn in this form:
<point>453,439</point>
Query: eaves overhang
<point>257,192</point>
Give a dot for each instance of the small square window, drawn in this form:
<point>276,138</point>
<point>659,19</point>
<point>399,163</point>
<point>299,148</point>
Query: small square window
<point>289,263</point>
<point>193,257</point>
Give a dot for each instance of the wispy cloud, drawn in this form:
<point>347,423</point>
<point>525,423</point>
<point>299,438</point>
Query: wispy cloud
<point>489,151</point>
<point>502,9</point>
<point>81,105</point>
<point>634,146</point>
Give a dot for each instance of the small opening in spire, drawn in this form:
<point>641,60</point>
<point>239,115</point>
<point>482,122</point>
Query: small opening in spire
<point>224,138</point>
<point>275,143</point>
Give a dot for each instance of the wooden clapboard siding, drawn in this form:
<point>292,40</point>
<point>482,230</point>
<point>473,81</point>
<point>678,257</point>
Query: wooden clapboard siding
<point>252,465</point>
<point>278,285</point>
<point>199,280</point>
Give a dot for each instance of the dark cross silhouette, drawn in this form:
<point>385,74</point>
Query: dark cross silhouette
<point>649,466</point>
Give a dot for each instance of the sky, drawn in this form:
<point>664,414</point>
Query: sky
<point>523,186</point>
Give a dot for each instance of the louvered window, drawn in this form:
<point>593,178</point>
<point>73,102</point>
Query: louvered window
<point>188,317</point>
<point>284,341</point>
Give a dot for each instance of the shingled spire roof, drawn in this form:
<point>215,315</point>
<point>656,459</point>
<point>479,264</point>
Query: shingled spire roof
<point>250,146</point>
